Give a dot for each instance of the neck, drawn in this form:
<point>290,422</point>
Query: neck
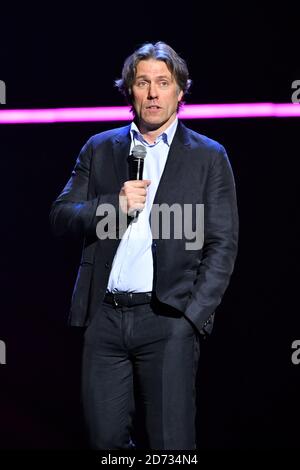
<point>151,134</point>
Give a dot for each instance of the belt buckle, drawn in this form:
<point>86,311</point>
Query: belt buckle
<point>115,301</point>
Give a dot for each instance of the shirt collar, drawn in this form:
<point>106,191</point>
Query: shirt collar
<point>167,136</point>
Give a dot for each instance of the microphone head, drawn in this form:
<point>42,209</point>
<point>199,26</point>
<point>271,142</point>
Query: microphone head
<point>139,151</point>
<point>136,162</point>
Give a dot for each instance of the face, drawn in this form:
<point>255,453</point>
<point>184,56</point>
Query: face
<point>155,95</point>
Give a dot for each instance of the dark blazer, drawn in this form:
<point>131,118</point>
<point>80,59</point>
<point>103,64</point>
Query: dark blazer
<point>197,171</point>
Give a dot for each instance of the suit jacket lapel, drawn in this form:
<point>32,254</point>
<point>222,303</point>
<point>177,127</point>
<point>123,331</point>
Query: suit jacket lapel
<point>168,185</point>
<point>121,148</point>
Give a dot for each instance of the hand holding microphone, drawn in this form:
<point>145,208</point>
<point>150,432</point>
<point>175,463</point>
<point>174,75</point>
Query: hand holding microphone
<point>133,192</point>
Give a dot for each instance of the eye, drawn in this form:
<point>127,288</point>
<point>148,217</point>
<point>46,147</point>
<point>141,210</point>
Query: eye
<point>142,84</point>
<point>164,83</point>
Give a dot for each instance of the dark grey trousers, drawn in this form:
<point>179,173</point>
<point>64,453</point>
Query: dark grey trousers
<point>146,354</point>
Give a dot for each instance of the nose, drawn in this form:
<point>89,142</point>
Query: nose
<point>152,91</point>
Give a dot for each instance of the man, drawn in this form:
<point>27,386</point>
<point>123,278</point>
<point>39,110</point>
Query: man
<point>146,300</point>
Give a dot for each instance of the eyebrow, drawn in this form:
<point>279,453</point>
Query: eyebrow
<point>160,77</point>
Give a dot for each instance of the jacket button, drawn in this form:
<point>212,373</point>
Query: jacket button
<point>107,265</point>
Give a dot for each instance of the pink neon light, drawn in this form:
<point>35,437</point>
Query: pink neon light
<point>122,113</point>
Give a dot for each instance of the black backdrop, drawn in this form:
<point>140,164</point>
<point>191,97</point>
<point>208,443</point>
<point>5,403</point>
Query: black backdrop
<point>248,387</point>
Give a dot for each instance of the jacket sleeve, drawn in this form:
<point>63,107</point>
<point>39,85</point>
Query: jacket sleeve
<point>72,213</point>
<point>220,242</point>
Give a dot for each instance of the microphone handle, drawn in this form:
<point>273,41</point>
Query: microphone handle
<point>139,176</point>
<point>139,171</point>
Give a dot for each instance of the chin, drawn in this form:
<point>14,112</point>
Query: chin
<point>154,125</point>
<point>156,121</point>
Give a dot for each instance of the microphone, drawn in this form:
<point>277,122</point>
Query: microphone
<point>136,162</point>
<point>136,166</point>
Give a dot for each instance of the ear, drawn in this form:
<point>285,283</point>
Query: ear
<point>180,95</point>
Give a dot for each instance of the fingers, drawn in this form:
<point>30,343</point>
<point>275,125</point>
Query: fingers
<point>133,194</point>
<point>137,183</point>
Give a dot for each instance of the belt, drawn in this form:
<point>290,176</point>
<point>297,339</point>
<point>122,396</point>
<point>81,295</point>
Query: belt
<point>127,299</point>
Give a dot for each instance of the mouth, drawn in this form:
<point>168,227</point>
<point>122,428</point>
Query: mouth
<point>154,107</point>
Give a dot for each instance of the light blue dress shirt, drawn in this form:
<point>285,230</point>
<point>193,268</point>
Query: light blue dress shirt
<point>132,268</point>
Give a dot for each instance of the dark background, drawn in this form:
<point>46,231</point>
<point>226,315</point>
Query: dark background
<point>56,57</point>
